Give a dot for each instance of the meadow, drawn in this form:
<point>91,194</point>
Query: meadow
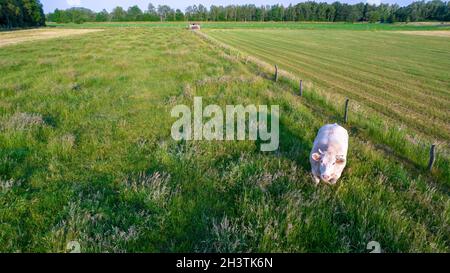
<point>398,81</point>
<point>405,77</point>
<point>86,155</point>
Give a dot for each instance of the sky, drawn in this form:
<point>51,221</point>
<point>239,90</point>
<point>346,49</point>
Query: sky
<point>97,5</point>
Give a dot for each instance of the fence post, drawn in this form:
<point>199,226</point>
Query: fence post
<point>276,73</point>
<point>346,111</point>
<point>301,88</point>
<point>432,157</point>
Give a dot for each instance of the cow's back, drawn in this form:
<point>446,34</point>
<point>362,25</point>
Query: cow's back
<point>331,135</point>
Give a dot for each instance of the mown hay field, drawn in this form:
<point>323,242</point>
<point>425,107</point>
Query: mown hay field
<point>404,77</point>
<point>86,155</point>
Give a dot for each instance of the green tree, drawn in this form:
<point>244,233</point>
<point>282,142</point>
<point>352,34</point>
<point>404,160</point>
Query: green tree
<point>118,14</point>
<point>163,12</point>
<point>21,13</point>
<point>102,16</point>
<point>150,14</point>
<point>391,19</point>
<point>179,15</point>
<point>134,13</point>
<point>374,16</point>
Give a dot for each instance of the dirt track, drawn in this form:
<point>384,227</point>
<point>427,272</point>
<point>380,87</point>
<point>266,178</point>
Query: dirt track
<point>438,33</point>
<point>20,36</point>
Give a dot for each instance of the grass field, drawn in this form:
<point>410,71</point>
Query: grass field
<point>405,77</point>
<point>86,155</point>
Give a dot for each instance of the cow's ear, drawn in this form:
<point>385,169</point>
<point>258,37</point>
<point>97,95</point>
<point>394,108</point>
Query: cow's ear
<point>315,156</point>
<point>340,159</point>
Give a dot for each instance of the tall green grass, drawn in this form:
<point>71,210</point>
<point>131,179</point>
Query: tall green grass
<point>86,155</point>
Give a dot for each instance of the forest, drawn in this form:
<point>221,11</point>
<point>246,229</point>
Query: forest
<point>435,10</point>
<point>21,13</point>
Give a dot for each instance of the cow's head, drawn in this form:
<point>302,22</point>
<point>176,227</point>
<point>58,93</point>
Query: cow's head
<point>329,163</point>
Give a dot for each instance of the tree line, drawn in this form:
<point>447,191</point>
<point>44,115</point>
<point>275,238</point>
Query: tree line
<point>21,13</point>
<point>435,10</point>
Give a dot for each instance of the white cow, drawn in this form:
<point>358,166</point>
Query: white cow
<point>329,154</point>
